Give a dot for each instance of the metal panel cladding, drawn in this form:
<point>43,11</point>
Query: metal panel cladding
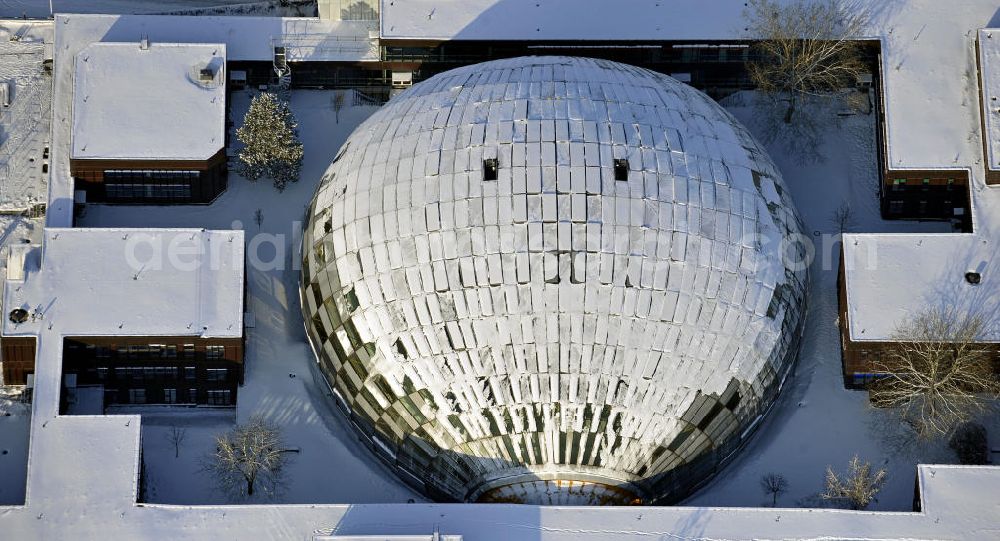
<point>553,280</point>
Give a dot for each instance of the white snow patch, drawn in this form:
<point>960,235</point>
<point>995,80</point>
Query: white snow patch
<point>131,282</point>
<point>15,419</point>
<point>135,102</point>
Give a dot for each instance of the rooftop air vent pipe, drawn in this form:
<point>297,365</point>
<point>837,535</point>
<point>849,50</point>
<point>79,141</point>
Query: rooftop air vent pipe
<point>18,315</point>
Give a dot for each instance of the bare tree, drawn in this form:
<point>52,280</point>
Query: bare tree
<point>773,484</point>
<point>176,438</point>
<point>937,374</point>
<point>857,487</point>
<point>804,48</point>
<point>842,217</point>
<point>250,459</point>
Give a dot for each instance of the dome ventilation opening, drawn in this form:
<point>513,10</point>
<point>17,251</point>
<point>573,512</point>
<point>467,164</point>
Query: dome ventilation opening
<point>18,315</point>
<point>490,167</point>
<point>621,169</point>
<point>973,277</point>
<point>401,348</point>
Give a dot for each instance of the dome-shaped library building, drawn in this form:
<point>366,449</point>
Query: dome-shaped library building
<point>553,280</point>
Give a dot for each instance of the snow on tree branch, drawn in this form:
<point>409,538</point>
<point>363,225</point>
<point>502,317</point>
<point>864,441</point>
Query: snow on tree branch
<point>271,143</point>
<point>939,374</point>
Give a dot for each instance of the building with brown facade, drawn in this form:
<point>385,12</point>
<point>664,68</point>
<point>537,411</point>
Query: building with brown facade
<point>151,316</point>
<point>149,122</point>
<point>887,279</point>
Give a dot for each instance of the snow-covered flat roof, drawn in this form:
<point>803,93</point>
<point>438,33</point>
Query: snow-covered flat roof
<point>131,282</point>
<point>149,102</point>
<point>892,277</point>
<point>989,64</point>
<point>561,19</point>
<point>246,38</point>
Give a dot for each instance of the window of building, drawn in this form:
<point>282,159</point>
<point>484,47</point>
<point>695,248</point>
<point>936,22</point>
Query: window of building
<point>165,372</point>
<point>170,396</point>
<point>149,184</point>
<point>103,353</point>
<point>193,396</point>
<point>216,374</point>
<point>102,373</point>
<point>147,191</point>
<point>490,169</point>
<point>215,352</point>
<point>895,207</point>
<point>137,396</point>
<point>170,352</point>
<point>189,372</point>
<point>127,373</point>
<point>219,398</point>
<point>621,169</point>
<point>188,351</point>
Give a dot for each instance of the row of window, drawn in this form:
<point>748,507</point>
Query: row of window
<point>161,373</point>
<point>185,396</point>
<point>144,176</point>
<point>897,206</point>
<point>118,190</point>
<point>141,351</point>
<point>491,169</point>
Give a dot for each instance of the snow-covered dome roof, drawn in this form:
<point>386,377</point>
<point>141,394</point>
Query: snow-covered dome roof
<point>553,280</point>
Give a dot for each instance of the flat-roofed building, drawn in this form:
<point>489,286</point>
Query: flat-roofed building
<point>151,315</point>
<point>149,122</point>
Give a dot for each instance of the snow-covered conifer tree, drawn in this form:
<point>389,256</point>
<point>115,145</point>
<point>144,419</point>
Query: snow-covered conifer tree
<point>271,144</point>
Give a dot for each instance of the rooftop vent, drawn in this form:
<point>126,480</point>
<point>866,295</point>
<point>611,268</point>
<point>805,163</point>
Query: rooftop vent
<point>490,167</point>
<point>18,315</point>
<point>206,75</point>
<point>144,43</point>
<point>621,169</point>
<point>973,277</point>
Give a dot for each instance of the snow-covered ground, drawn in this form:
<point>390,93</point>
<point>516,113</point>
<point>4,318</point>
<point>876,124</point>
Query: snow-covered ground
<point>15,419</point>
<point>282,382</point>
<point>816,423</point>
